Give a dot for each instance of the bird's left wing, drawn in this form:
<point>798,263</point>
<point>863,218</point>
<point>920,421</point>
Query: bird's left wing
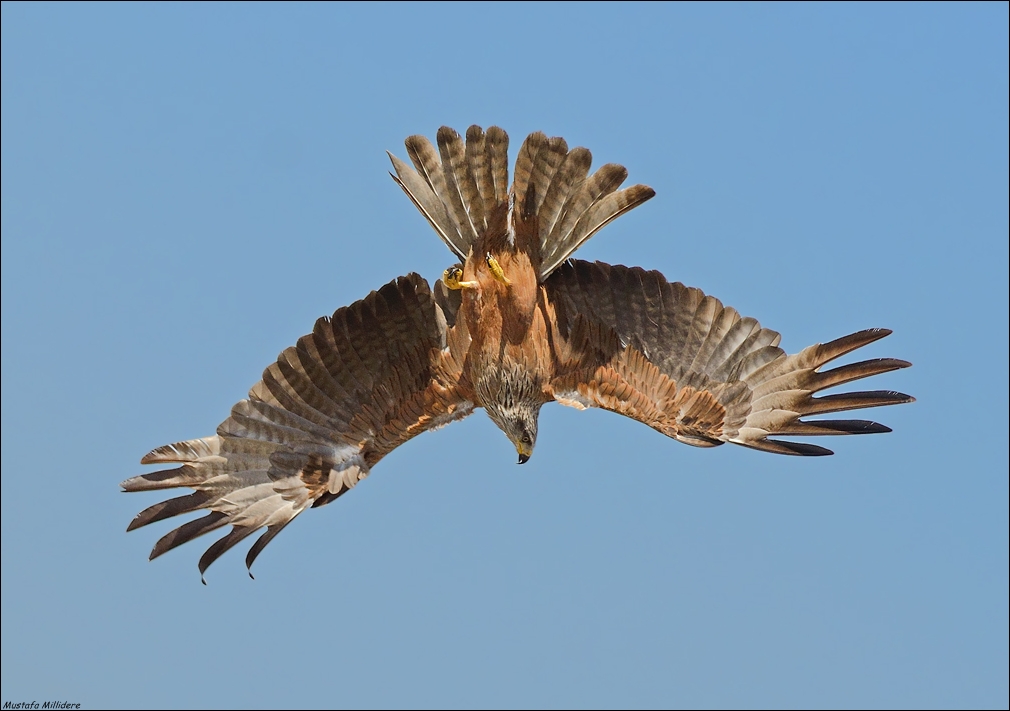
<point>366,380</point>
<point>629,341</point>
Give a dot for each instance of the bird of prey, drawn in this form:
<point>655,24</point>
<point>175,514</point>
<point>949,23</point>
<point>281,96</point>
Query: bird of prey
<point>515,323</point>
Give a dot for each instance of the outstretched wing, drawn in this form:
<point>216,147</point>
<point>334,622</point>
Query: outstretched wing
<point>363,382</point>
<point>670,356</point>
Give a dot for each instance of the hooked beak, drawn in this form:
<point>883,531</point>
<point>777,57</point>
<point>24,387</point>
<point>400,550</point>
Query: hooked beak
<point>523,458</point>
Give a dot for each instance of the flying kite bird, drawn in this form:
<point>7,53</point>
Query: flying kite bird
<point>516,323</point>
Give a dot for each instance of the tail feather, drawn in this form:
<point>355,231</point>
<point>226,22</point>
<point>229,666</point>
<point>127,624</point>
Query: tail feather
<point>604,181</point>
<point>564,238</point>
<point>607,209</point>
<point>427,162</point>
<point>497,142</point>
<point>460,186</point>
<point>568,179</point>
<point>529,153</point>
<point>549,160</point>
<point>479,163</point>
<point>427,201</point>
<point>465,200</point>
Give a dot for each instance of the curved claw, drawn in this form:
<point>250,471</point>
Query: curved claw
<point>453,279</point>
<point>496,270</point>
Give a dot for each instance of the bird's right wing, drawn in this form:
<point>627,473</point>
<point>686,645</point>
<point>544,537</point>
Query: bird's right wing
<point>629,341</point>
<point>366,380</point>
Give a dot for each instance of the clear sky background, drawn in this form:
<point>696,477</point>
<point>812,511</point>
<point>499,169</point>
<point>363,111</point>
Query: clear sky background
<point>187,188</point>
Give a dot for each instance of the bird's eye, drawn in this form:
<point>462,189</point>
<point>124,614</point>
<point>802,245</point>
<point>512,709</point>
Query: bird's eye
<point>526,439</point>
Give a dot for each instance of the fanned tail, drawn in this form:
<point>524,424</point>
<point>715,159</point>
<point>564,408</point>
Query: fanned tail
<point>459,188</point>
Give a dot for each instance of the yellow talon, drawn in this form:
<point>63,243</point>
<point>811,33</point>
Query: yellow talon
<point>496,270</point>
<point>453,278</point>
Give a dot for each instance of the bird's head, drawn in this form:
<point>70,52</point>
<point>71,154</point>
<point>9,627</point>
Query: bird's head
<point>512,397</point>
<point>519,423</point>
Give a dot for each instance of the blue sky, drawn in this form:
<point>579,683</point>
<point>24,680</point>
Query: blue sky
<point>186,188</point>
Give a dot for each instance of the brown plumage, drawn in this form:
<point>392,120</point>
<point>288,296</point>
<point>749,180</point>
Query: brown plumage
<point>522,325</point>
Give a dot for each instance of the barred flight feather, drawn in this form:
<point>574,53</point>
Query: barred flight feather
<point>700,345</point>
<point>364,381</point>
